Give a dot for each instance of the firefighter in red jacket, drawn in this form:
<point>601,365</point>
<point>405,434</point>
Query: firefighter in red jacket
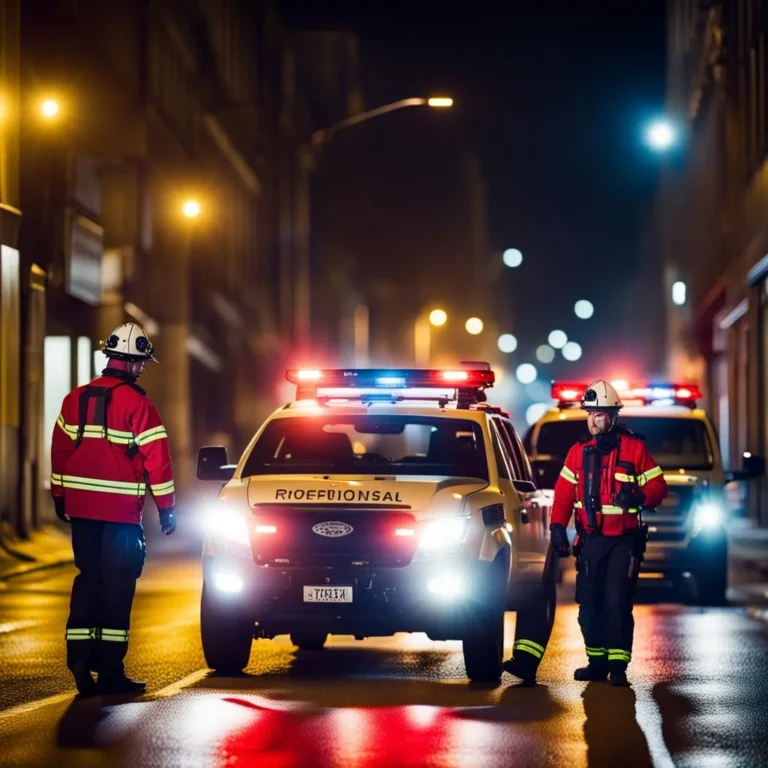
<point>109,447</point>
<point>608,477</point>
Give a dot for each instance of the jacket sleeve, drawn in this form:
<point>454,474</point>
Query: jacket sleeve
<point>650,478</point>
<point>152,442</point>
<point>62,447</point>
<point>565,490</point>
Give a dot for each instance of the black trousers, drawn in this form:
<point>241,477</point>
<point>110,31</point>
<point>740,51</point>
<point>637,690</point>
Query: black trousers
<point>109,558</point>
<point>605,591</point>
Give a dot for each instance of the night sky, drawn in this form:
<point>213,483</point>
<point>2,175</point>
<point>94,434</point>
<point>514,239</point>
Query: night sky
<point>553,98</point>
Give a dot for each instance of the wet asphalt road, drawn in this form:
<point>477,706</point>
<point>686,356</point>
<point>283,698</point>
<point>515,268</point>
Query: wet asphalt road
<point>700,694</point>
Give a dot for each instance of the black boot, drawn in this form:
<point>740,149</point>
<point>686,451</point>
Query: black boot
<point>619,676</point>
<point>109,684</point>
<point>84,681</point>
<point>592,672</point>
<point>523,669</point>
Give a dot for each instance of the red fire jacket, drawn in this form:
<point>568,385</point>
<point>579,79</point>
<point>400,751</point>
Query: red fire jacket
<point>105,475</point>
<point>570,488</point>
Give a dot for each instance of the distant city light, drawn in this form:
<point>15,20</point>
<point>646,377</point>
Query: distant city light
<point>545,353</point>
<point>679,293</point>
<point>661,135</point>
<point>572,351</point>
<point>438,317</point>
<point>557,339</point>
<point>512,257</point>
<point>191,209</point>
<point>507,343</point>
<point>526,373</point>
<point>584,309</point>
<point>534,412</point>
<point>474,326</point>
<point>49,108</point>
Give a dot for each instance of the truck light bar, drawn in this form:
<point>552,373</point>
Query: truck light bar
<point>309,381</point>
<point>569,393</point>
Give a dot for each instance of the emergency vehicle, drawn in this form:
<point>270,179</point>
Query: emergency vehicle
<point>687,545</point>
<point>377,502</point>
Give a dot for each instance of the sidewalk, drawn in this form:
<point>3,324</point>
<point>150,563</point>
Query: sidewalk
<point>748,550</point>
<point>47,548</point>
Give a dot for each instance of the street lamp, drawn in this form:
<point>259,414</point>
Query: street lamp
<point>191,209</point>
<point>49,108</point>
<point>438,317</point>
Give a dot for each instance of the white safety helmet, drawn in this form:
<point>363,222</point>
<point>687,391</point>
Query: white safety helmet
<point>129,342</point>
<point>601,396</point>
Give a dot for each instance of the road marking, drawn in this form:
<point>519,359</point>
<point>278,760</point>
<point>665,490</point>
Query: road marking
<point>14,626</point>
<point>174,688</point>
<point>33,705</point>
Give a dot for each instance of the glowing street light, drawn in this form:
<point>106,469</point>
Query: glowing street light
<point>49,108</point>
<point>191,209</point>
<point>583,309</point>
<point>526,373</point>
<point>572,351</point>
<point>438,317</point>
<point>512,257</point>
<point>440,102</point>
<point>474,326</point>
<point>661,135</point>
<point>558,339</point>
<point>507,343</point>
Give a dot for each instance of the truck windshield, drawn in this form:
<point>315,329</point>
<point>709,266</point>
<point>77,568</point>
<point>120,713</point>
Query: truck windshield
<point>369,445</point>
<point>673,443</point>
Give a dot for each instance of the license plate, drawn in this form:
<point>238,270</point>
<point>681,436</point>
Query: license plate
<point>327,594</point>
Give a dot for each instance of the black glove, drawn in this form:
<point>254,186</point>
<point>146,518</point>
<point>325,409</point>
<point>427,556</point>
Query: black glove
<point>58,504</point>
<point>559,538</point>
<point>167,521</point>
<point>629,498</point>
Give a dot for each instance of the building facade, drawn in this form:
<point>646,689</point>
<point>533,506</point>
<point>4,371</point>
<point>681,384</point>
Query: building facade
<point>151,104</point>
<point>710,226</point>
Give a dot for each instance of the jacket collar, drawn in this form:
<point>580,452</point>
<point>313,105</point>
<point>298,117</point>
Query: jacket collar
<point>124,376</point>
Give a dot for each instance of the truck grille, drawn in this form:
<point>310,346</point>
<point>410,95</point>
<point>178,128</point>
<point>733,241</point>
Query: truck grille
<point>669,522</point>
<point>296,542</point>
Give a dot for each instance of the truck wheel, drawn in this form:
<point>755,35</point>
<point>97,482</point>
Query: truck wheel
<point>712,586</point>
<point>483,642</point>
<point>309,639</point>
<point>226,634</point>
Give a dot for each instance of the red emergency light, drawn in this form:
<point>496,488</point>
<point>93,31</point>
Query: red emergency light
<point>386,379</point>
<point>568,393</point>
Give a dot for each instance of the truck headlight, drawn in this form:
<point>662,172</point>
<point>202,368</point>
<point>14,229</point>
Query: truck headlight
<point>443,534</point>
<point>707,516</point>
<point>228,525</point>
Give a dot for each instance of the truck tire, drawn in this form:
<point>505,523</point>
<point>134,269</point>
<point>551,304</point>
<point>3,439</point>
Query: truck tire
<point>712,586</point>
<point>226,634</point>
<point>483,641</point>
<point>309,639</point>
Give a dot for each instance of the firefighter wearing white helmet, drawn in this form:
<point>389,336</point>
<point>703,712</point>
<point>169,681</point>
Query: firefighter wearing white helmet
<point>607,479</point>
<point>109,447</point>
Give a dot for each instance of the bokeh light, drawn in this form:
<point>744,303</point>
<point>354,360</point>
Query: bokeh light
<point>474,326</point>
<point>584,309</point>
<point>572,351</point>
<point>512,257</point>
<point>545,353</point>
<point>558,339</point>
<point>534,412</point>
<point>526,373</point>
<point>507,343</point>
<point>438,317</point>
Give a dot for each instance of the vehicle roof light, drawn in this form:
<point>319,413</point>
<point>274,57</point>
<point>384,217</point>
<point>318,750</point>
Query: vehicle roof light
<point>455,375</point>
<point>305,374</point>
<point>567,393</point>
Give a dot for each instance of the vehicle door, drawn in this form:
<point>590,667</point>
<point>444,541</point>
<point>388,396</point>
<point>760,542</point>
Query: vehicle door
<point>525,548</point>
<point>537,503</point>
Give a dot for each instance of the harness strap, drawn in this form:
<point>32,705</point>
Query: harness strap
<point>101,396</point>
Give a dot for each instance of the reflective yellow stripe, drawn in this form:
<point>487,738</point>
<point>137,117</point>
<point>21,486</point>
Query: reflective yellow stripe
<point>115,635</point>
<point>156,433</point>
<point>610,510</point>
<point>618,654</point>
<point>578,505</point>
<point>622,478</point>
<point>89,633</point>
<point>163,489</point>
<point>568,475</point>
<point>596,651</point>
<point>103,486</point>
<point>56,479</point>
<point>522,645</point>
<point>649,475</point>
<point>531,643</point>
<point>91,430</point>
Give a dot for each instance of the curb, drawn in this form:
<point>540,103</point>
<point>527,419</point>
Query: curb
<point>22,570</point>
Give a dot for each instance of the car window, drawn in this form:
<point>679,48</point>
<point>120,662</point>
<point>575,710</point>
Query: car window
<point>509,449</point>
<point>387,445</point>
<point>506,469</point>
<point>522,456</point>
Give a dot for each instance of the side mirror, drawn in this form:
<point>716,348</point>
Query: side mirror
<point>212,464</point>
<point>753,466</point>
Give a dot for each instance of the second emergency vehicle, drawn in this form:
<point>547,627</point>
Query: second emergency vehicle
<point>687,544</point>
<point>378,502</point>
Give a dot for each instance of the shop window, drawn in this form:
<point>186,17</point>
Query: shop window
<point>57,382</point>
<point>83,361</point>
